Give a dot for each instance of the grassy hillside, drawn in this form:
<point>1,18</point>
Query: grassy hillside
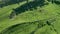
<point>32,17</point>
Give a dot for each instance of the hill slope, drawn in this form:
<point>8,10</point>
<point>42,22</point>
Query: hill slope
<point>34,17</point>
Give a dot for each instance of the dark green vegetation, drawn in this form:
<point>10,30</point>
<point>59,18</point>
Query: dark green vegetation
<point>55,1</point>
<point>29,6</point>
<point>10,2</point>
<point>25,26</point>
<point>30,17</point>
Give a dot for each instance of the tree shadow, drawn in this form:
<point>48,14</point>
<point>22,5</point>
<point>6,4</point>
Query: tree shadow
<point>10,2</point>
<point>29,6</point>
<point>54,1</point>
<point>57,2</point>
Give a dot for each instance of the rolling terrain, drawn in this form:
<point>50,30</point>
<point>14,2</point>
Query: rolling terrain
<point>30,17</point>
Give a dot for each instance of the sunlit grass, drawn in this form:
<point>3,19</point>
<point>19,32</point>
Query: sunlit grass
<point>49,11</point>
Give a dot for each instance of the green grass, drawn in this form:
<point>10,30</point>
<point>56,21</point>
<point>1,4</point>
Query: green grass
<point>49,11</point>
